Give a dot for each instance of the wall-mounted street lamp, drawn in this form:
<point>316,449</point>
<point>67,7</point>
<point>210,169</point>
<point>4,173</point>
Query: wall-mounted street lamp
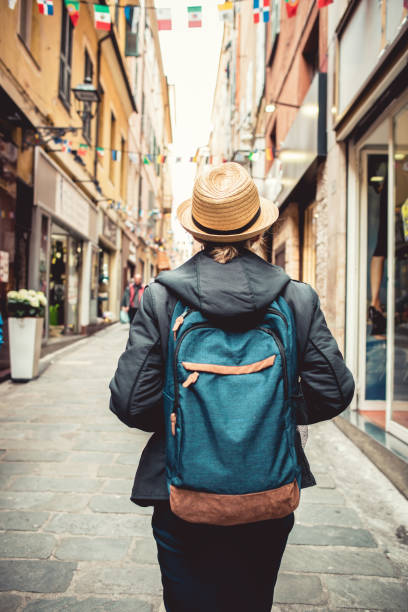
<point>85,95</point>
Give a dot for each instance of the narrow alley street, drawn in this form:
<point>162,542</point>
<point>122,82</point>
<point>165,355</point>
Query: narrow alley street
<point>71,540</point>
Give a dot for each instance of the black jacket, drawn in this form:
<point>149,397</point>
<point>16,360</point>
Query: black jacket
<point>236,291</point>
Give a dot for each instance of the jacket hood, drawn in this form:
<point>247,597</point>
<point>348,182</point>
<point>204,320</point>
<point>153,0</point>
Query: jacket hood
<point>245,285</point>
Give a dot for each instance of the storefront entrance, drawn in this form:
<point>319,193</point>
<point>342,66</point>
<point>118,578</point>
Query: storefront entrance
<point>64,283</point>
<point>383,276</point>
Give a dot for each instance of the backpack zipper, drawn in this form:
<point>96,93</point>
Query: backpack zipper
<point>283,357</point>
<point>176,352</point>
<point>282,316</point>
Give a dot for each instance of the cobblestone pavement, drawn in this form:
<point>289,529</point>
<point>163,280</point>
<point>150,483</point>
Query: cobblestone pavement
<point>70,539</point>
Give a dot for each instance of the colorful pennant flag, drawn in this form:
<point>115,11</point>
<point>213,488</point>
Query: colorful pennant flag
<point>66,146</point>
<point>116,155</point>
<point>226,11</point>
<point>266,10</point>
<point>160,159</point>
<point>100,151</point>
<point>163,18</point>
<point>12,4</point>
<point>146,160</point>
<point>73,10</point>
<point>46,7</point>
<point>256,11</point>
<point>269,154</point>
<point>133,157</point>
<point>83,149</point>
<point>291,7</point>
<point>322,3</point>
<point>102,17</point>
<point>194,16</point>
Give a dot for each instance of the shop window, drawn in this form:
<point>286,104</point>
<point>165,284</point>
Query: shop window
<point>399,412</point>
<point>29,27</point>
<point>86,121</point>
<point>64,87</point>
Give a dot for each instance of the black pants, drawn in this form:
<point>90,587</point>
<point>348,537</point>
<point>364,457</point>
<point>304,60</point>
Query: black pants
<point>218,569</point>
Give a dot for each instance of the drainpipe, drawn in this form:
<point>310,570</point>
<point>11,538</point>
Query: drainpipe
<point>98,85</point>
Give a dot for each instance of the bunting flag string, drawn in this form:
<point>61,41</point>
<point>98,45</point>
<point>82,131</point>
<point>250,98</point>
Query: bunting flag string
<point>146,159</point>
<point>103,18</point>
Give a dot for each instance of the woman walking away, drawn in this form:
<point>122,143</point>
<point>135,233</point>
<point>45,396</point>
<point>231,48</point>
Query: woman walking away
<point>226,356</point>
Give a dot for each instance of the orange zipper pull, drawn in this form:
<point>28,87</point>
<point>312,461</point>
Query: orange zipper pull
<point>177,324</point>
<point>173,419</point>
<point>192,378</point>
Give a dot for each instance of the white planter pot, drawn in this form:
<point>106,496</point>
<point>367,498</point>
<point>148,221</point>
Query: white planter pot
<point>25,346</point>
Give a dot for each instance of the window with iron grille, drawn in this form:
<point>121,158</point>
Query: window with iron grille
<point>86,120</point>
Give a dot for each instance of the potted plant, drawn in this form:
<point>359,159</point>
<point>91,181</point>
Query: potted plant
<point>26,310</point>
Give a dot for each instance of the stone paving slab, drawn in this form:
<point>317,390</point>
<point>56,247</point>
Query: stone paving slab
<point>73,502</point>
<point>36,576</point>
<point>52,456</point>
<point>91,457</point>
<point>21,501</point>
<point>369,593</point>
<point>329,535</point>
<point>119,486</point>
<point>10,603</point>
<point>102,525</point>
<point>92,549</point>
<point>68,485</point>
<point>119,504</point>
<point>90,604</point>
<point>144,551</point>
<point>22,521</point>
<point>313,514</point>
<point>321,560</point>
<point>26,545</point>
<point>118,580</point>
<point>117,471</point>
<point>315,495</point>
<point>299,589</point>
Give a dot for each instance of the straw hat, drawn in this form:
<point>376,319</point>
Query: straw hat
<point>226,206</point>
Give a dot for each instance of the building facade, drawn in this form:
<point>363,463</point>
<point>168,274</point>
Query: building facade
<point>71,199</point>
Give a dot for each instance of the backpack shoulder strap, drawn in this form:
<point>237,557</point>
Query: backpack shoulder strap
<point>164,303</point>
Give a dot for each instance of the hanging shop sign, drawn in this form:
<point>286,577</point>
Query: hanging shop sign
<point>4,267</point>
<point>109,230</point>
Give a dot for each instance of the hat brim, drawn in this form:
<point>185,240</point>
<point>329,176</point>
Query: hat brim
<point>268,216</point>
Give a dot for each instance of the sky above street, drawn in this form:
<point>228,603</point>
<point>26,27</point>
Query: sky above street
<point>190,57</point>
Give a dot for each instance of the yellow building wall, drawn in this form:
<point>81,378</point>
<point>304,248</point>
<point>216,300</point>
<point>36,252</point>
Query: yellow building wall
<point>31,77</point>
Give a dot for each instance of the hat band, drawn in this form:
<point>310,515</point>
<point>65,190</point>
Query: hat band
<point>239,230</point>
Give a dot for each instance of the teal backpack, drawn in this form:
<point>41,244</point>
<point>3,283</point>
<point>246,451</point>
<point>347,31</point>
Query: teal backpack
<point>230,425</point>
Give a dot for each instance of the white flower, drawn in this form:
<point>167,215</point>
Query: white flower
<point>12,295</point>
<point>23,294</point>
<point>34,303</point>
<point>42,299</point>
<point>40,293</point>
<point>32,293</point>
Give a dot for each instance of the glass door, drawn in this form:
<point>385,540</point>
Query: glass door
<point>74,278</point>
